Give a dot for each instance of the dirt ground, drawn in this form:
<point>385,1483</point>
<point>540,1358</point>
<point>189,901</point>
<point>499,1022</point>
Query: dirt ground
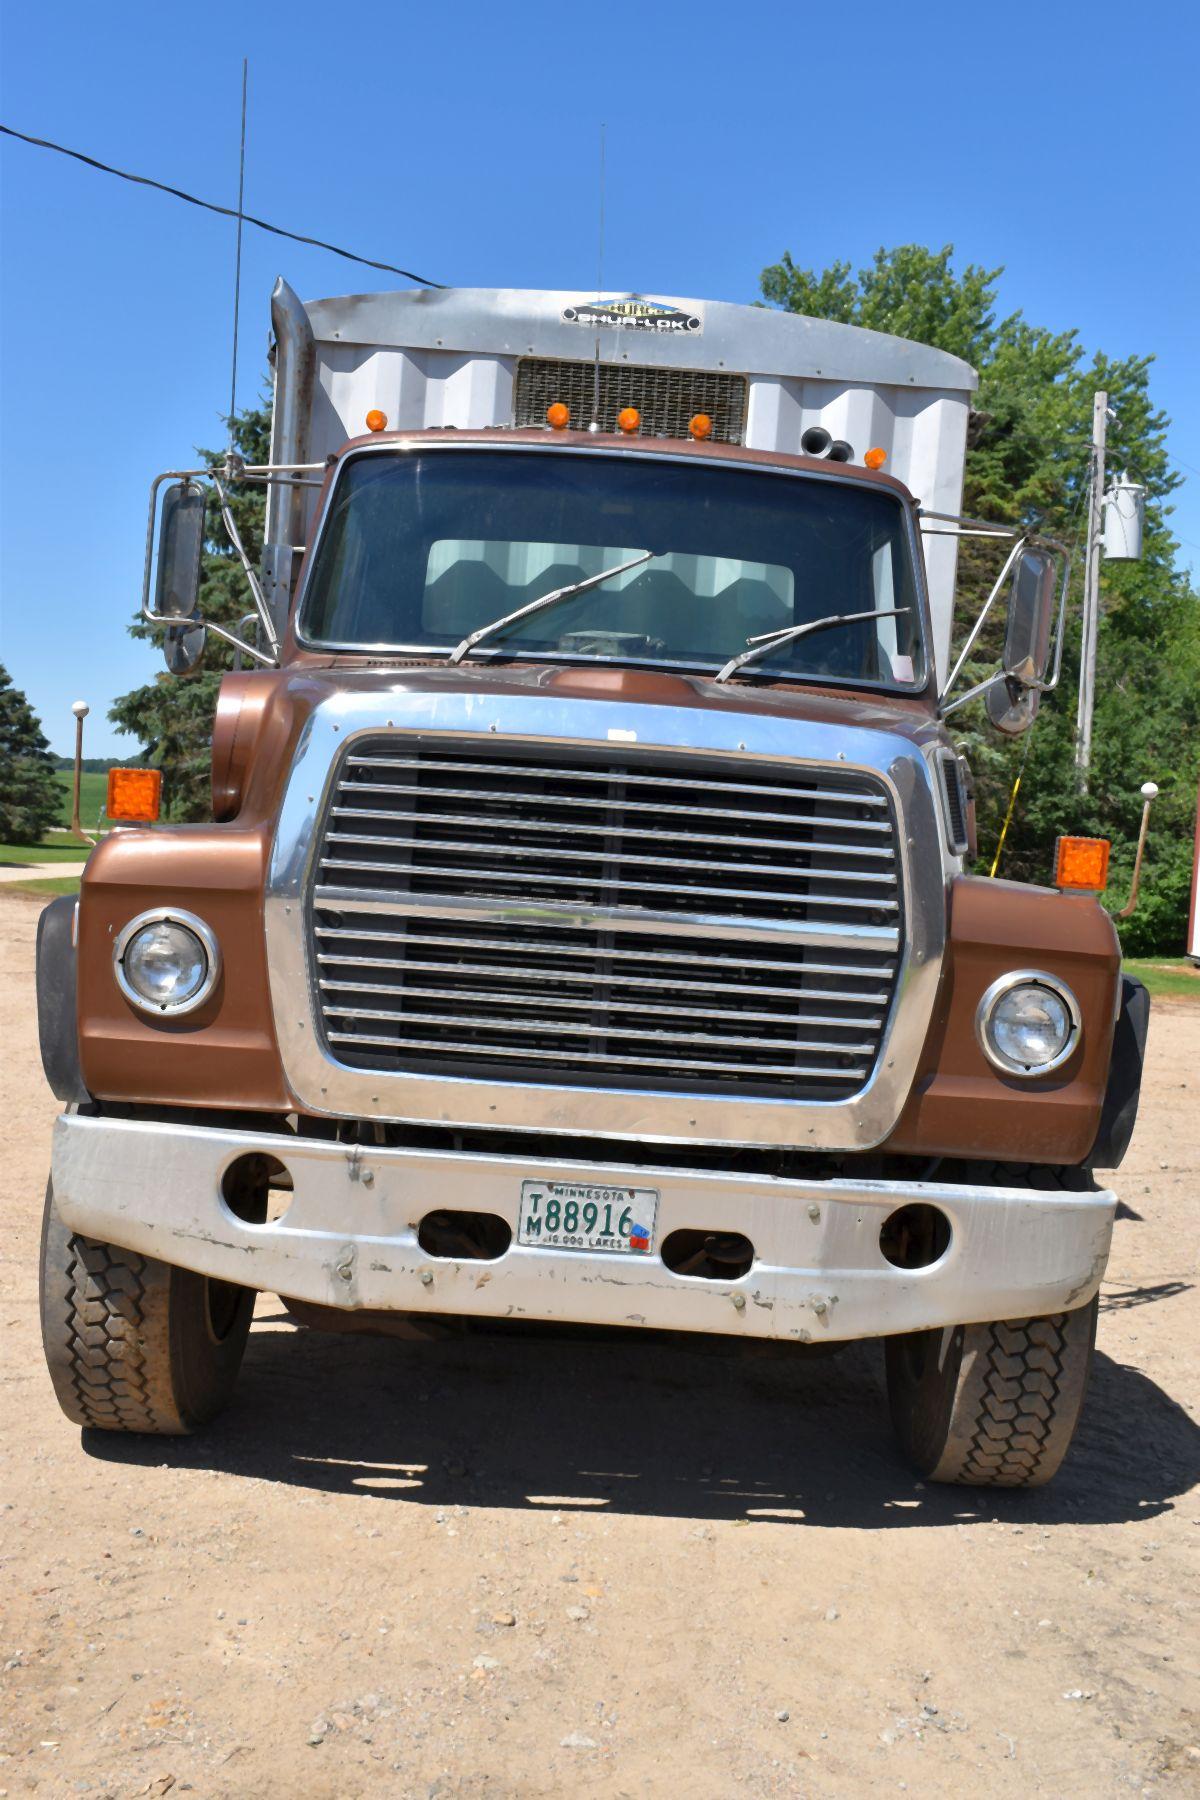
<point>557,1563</point>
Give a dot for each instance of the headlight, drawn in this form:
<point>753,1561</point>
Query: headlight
<point>166,962</point>
<point>1028,1023</point>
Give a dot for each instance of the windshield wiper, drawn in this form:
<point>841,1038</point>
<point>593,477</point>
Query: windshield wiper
<point>773,640</point>
<point>550,599</point>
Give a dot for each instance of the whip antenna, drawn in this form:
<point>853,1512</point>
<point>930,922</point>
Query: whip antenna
<point>599,289</point>
<point>600,250</point>
<point>237,270</point>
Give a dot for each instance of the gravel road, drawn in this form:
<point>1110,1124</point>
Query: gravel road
<point>555,1563</point>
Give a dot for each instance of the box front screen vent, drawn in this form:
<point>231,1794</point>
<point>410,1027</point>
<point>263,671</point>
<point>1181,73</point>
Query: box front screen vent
<point>666,398</point>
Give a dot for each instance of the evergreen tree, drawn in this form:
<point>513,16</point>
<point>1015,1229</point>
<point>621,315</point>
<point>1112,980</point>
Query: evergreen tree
<point>173,714</point>
<point>30,795</point>
<point>1027,464</point>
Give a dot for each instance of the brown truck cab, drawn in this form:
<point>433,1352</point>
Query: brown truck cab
<point>582,932</point>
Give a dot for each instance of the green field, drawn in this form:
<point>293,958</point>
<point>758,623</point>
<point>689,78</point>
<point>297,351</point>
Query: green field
<point>1180,980</point>
<point>93,791</point>
<point>50,849</point>
<point>45,888</point>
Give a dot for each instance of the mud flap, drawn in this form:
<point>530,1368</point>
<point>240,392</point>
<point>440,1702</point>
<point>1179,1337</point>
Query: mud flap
<point>1119,1113</point>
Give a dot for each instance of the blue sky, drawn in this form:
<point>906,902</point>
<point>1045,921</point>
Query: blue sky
<point>461,141</point>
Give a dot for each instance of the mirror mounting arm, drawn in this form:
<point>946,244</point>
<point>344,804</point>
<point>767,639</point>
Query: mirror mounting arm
<point>234,468</point>
<point>241,647</point>
<point>958,525</point>
<point>972,693</point>
<point>260,604</point>
<point>986,608</point>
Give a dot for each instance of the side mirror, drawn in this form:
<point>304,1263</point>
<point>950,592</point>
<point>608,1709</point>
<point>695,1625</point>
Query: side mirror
<point>177,590</point>
<point>1013,703</point>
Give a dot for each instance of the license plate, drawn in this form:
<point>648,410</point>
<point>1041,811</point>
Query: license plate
<point>569,1215</point>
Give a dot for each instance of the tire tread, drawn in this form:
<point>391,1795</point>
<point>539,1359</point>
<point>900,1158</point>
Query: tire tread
<point>129,1340</point>
<point>1012,1435</point>
<point>997,1406</point>
<point>104,1299</point>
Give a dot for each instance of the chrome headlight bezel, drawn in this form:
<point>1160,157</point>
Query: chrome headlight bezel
<point>987,1006</point>
<point>205,936</point>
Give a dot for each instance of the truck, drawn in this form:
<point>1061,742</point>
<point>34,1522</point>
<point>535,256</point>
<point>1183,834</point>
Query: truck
<point>584,931</point>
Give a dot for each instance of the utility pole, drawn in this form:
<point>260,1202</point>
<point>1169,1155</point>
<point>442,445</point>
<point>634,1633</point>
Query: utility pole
<point>1091,592</point>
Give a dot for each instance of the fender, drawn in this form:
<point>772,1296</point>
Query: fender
<point>58,1028</point>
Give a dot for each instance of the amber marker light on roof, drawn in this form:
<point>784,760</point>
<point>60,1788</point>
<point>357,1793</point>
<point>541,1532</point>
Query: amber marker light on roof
<point>700,426</point>
<point>629,418</point>
<point>875,459</point>
<point>376,420</point>
<point>134,796</point>
<point>558,415</point>
<point>1081,862</point>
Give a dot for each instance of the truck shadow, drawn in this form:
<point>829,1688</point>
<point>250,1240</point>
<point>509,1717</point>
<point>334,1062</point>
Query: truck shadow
<point>559,1419</point>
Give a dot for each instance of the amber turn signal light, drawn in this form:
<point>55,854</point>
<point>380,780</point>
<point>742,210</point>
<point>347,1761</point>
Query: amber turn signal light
<point>1081,862</point>
<point>875,459</point>
<point>700,426</point>
<point>558,415</point>
<point>629,418</point>
<point>376,420</point>
<point>134,796</point>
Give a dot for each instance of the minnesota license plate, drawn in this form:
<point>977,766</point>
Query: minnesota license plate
<point>569,1215</point>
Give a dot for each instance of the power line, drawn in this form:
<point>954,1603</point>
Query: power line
<point>227,212</point>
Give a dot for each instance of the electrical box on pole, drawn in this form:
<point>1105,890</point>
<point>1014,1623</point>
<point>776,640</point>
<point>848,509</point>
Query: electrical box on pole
<point>1124,514</point>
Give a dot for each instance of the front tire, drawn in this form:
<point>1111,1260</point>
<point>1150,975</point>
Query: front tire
<point>132,1343</point>
<point>991,1405</point>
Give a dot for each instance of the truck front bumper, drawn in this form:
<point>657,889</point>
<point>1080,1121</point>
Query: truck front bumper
<point>349,1236</point>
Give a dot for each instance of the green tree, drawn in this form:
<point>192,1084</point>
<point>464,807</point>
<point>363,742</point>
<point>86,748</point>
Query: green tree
<point>1027,464</point>
<point>30,796</point>
<point>173,715</point>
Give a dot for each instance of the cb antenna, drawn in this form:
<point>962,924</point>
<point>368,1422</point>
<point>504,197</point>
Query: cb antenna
<point>237,269</point>
<point>600,249</point>
<point>599,287</point>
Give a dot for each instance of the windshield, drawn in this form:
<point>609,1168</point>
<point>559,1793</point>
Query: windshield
<point>421,548</point>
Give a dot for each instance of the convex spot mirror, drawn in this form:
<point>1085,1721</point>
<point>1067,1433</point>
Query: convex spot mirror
<point>1012,704</point>
<point>177,589</point>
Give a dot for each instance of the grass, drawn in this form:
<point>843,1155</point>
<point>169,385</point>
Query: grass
<point>41,889</point>
<point>48,850</point>
<point>1166,979</point>
<point>93,792</point>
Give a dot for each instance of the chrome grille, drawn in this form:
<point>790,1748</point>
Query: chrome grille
<point>666,398</point>
<point>606,918</point>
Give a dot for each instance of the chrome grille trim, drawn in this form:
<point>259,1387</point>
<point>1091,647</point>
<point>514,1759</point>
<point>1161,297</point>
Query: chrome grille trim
<point>563,1004</point>
<point>539,989</point>
<point>622,954</point>
<point>575,1057</point>
<point>627,831</point>
<point>632,806</point>
<point>438,714</point>
<point>830,934</point>
<point>575,855</point>
<point>436,872</point>
<point>631,778</point>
